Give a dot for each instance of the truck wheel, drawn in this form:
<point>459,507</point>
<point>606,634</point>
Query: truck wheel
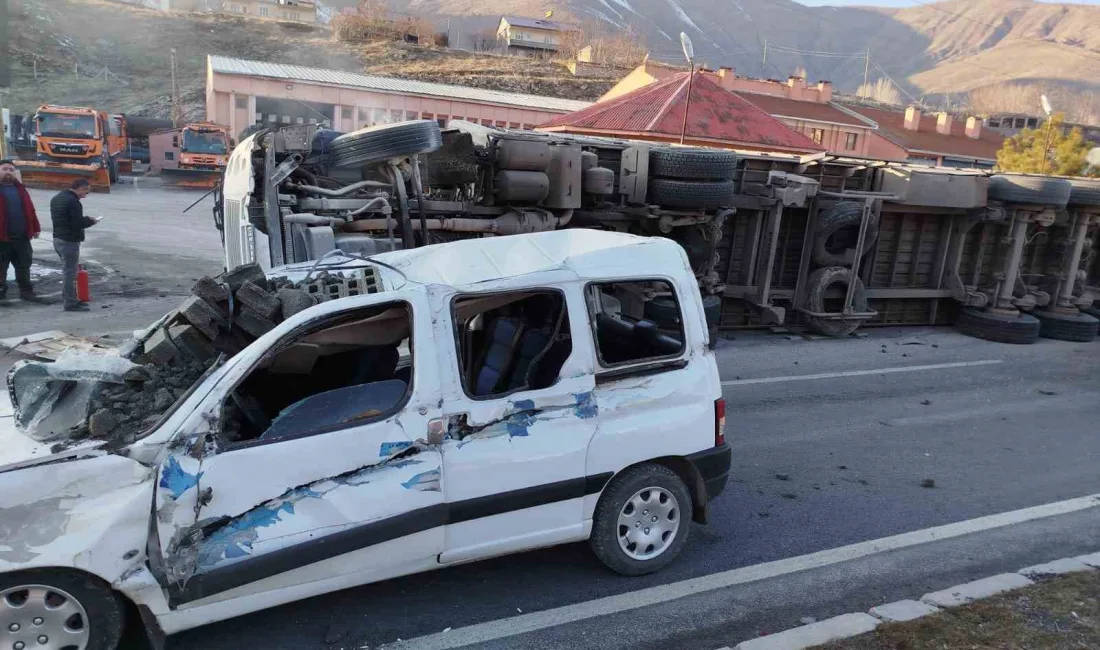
<point>642,520</point>
<point>1032,190</point>
<point>1061,326</point>
<point>690,194</point>
<point>845,215</point>
<point>1021,329</point>
<point>1092,311</point>
<point>1084,192</point>
<point>59,609</point>
<point>819,282</point>
<point>379,143</point>
<point>693,164</point>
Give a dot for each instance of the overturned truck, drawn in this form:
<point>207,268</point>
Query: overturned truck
<point>820,242</point>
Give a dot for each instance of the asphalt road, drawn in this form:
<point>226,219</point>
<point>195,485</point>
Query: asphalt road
<point>818,463</point>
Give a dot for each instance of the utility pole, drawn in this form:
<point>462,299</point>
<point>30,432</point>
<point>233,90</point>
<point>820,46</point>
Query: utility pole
<point>867,67</point>
<point>176,117</point>
<point>764,63</point>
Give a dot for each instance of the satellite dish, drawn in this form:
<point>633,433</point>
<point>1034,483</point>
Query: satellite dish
<point>1046,105</point>
<point>689,50</point>
<point>1094,157</point>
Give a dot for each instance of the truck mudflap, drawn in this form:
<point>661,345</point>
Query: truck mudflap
<point>194,178</point>
<point>58,175</point>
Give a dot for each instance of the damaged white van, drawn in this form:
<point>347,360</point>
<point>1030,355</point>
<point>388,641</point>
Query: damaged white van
<point>499,394</point>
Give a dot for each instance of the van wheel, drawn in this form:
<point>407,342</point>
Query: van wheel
<point>59,609</point>
<point>642,520</point>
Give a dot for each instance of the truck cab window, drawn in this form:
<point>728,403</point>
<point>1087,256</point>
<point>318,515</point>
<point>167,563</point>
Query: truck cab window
<point>511,341</point>
<point>635,321</point>
<point>342,373</point>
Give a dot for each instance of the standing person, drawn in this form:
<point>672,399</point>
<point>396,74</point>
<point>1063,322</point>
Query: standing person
<point>18,226</point>
<point>69,223</point>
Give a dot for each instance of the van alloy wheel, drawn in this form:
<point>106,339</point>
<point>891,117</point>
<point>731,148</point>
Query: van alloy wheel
<point>42,618</point>
<point>648,523</point>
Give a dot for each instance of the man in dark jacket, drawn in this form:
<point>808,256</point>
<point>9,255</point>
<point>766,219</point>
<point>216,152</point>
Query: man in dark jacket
<point>18,226</point>
<point>69,224</point>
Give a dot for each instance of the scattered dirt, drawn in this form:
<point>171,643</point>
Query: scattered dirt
<point>1060,614</point>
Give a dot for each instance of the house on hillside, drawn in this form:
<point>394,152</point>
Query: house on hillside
<point>531,36</point>
<point>939,139</point>
<point>1009,124</point>
<point>716,117</point>
<point>300,11</point>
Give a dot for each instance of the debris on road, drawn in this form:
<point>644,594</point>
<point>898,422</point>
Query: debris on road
<point>50,345</point>
<point>928,483</point>
<point>783,477</point>
<point>926,402</point>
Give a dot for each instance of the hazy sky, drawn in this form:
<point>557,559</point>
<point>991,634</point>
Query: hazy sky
<point>905,3</point>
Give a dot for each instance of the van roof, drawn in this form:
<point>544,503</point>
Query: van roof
<point>590,254</point>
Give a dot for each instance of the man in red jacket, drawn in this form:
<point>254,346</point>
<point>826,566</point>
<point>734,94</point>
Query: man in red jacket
<point>18,226</point>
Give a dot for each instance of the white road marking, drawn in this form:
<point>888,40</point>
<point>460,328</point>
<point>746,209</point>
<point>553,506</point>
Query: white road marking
<point>861,373</point>
<point>516,625</point>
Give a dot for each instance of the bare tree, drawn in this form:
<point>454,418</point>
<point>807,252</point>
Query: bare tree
<point>621,48</point>
<point>882,91</point>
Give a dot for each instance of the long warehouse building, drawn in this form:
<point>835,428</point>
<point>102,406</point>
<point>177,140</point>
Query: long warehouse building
<point>240,93</point>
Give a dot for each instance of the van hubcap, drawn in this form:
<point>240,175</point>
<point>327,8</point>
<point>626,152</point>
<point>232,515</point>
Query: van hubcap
<point>648,523</point>
<point>36,617</point>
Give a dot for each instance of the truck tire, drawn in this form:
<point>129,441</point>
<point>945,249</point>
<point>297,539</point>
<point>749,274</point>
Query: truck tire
<point>628,492</point>
<point>1092,311</point>
<point>1019,329</point>
<point>61,606</point>
<point>843,215</point>
<point>1060,326</point>
<point>1084,192</point>
<point>690,194</point>
<point>1030,189</point>
<point>378,143</point>
<point>819,282</point>
<point>693,164</point>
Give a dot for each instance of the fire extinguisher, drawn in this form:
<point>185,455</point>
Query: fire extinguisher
<point>83,292</point>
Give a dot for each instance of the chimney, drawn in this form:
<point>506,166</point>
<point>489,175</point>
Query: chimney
<point>795,87</point>
<point>973,127</point>
<point>912,118</point>
<point>944,121</point>
<point>726,77</point>
<point>824,91</point>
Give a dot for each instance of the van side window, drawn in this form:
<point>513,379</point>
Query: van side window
<point>512,341</point>
<point>635,321</point>
<point>348,371</point>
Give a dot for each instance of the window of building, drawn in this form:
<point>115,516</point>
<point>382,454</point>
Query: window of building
<point>264,11</point>
<point>501,124</point>
<point>397,116</point>
<point>427,116</point>
<point>286,119</point>
<point>1032,122</point>
<point>241,102</point>
<point>272,118</point>
<point>345,113</point>
<point>1019,123</point>
<point>300,120</point>
<point>313,120</point>
<point>850,141</point>
<point>635,321</point>
<point>511,342</point>
<point>442,122</point>
<point>514,125</point>
<point>486,122</point>
<point>995,122</point>
<point>817,135</point>
<point>412,115</point>
<point>346,372</point>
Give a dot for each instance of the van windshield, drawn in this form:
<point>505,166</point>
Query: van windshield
<point>204,142</point>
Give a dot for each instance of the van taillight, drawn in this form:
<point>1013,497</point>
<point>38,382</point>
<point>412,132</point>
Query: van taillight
<point>719,422</point>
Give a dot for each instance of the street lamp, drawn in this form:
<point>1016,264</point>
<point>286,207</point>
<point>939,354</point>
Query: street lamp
<point>689,54</point>
<point>1046,143</point>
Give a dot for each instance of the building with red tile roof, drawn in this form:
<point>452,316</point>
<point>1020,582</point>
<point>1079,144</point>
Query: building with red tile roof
<point>940,139</point>
<point>716,118</point>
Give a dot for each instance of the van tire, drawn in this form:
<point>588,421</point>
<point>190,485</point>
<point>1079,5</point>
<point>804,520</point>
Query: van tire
<point>605,521</point>
<point>818,283</point>
<point>1062,326</point>
<point>845,214</point>
<point>1017,329</point>
<point>106,613</point>
<point>1030,190</point>
<point>693,164</point>
<point>670,193</point>
<point>380,143</point>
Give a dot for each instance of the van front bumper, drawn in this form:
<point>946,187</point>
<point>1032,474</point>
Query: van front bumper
<point>713,466</point>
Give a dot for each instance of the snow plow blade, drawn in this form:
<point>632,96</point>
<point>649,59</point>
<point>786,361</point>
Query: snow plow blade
<point>204,179</point>
<point>59,176</point>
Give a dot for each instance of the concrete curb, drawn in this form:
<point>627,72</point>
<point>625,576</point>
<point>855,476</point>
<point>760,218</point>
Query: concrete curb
<point>855,624</point>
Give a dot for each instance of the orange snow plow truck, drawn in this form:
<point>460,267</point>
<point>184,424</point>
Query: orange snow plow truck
<point>76,143</point>
<point>203,153</point>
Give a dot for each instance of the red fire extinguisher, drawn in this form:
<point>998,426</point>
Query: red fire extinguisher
<point>83,292</point>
